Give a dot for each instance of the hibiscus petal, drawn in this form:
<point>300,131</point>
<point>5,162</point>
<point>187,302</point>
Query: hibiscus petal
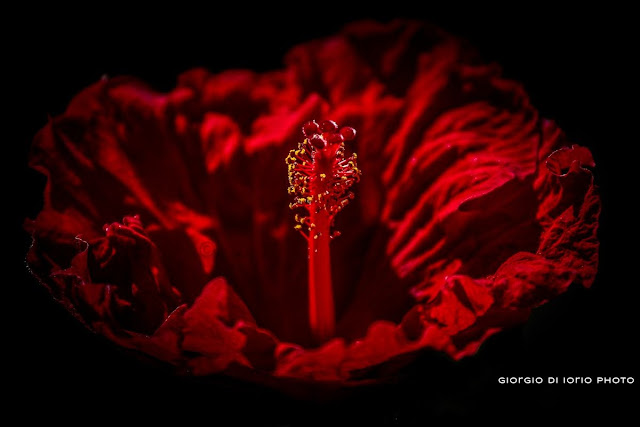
<point>164,344</point>
<point>323,364</point>
<point>212,331</point>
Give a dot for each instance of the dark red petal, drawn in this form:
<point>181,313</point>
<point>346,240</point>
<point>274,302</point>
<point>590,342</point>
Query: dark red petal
<point>458,304</point>
<point>563,159</point>
<point>212,331</point>
<point>260,347</point>
<point>219,330</point>
<point>322,364</point>
<point>383,341</point>
<point>119,279</point>
<point>164,344</point>
<point>461,160</point>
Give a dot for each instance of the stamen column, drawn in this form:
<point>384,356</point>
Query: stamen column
<point>319,178</point>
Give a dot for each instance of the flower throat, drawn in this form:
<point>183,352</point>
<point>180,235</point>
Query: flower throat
<point>319,179</point>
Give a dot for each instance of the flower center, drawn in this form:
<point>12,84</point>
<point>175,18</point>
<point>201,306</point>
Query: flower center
<point>319,179</point>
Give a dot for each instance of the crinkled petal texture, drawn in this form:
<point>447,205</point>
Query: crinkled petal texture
<point>472,210</point>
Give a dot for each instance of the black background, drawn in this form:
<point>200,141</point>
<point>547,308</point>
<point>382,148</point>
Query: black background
<point>572,63</point>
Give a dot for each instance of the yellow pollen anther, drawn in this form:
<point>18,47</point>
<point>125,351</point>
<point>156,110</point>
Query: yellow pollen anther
<point>319,186</point>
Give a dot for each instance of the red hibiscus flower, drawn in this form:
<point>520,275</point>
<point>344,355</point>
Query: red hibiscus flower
<point>470,211</point>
